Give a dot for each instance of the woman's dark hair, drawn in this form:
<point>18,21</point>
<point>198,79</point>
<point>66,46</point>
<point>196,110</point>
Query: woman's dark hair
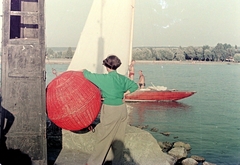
<point>112,62</point>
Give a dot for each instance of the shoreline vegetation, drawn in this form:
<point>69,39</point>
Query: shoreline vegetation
<point>58,61</point>
<point>220,52</point>
<point>67,61</point>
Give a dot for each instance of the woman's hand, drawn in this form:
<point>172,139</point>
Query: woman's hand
<point>127,92</point>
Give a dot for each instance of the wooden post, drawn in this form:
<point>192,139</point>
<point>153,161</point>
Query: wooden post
<point>23,76</point>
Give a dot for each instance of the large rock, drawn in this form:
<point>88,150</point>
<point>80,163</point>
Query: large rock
<point>198,158</point>
<point>165,146</point>
<point>145,149</point>
<point>178,152</point>
<point>189,161</point>
<point>182,144</point>
<point>140,148</point>
<point>208,163</point>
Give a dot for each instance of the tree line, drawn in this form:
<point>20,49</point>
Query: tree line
<point>221,52</point>
<point>68,53</point>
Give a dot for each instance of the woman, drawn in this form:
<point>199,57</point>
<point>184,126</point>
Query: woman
<point>113,119</point>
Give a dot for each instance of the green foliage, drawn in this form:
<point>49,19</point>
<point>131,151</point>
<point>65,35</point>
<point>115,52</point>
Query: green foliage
<point>220,52</point>
<point>50,53</point>
<point>237,57</point>
<point>147,54</point>
<point>137,54</point>
<point>226,46</point>
<point>163,54</point>
<point>142,54</point>
<point>223,51</point>
<point>199,54</point>
<point>230,52</point>
<point>179,55</point>
<point>205,47</point>
<point>60,54</point>
<point>208,55</point>
<point>190,53</point>
<point>69,53</point>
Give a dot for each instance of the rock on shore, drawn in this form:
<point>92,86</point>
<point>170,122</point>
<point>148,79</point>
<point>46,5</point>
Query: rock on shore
<point>141,148</point>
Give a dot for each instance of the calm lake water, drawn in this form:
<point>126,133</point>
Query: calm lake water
<point>209,120</point>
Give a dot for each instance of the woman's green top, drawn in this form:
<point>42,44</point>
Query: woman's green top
<point>112,86</point>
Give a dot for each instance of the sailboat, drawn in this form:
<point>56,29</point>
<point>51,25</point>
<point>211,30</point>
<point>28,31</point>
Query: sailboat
<point>109,30</point>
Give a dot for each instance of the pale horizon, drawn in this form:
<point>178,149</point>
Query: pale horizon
<point>164,23</point>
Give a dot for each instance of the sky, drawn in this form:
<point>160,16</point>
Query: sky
<point>156,22</point>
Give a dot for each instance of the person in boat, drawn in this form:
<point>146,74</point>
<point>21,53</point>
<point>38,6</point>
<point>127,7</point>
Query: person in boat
<point>131,70</point>
<point>141,81</point>
<point>110,131</point>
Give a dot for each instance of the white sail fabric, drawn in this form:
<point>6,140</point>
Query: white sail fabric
<point>108,31</point>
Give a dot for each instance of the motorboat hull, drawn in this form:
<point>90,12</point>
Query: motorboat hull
<point>153,95</point>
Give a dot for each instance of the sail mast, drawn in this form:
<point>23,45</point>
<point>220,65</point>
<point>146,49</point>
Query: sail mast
<point>131,35</point>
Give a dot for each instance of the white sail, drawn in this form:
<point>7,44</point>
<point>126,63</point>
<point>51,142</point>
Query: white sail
<point>108,30</point>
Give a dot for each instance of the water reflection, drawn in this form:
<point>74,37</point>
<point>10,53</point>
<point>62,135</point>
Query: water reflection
<point>139,109</point>
<point>158,105</point>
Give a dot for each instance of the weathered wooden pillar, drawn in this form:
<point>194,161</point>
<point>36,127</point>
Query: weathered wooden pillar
<point>23,76</point>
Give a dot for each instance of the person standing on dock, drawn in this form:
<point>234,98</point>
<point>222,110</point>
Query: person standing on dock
<point>110,131</point>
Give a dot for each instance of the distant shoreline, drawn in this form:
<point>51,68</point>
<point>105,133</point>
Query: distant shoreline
<point>180,62</point>
<point>58,61</point>
<point>67,61</point>
<point>186,62</point>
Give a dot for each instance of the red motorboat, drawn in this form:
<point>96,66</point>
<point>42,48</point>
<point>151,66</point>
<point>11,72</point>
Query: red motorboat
<point>155,95</point>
